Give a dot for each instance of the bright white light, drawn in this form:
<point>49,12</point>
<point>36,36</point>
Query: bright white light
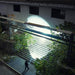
<point>37,20</point>
<point>40,21</point>
<point>55,32</point>
<point>15,30</point>
<point>35,56</point>
<point>35,50</point>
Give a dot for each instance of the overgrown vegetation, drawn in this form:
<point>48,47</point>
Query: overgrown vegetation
<point>6,57</point>
<point>22,40</point>
<point>48,64</point>
<point>70,26</point>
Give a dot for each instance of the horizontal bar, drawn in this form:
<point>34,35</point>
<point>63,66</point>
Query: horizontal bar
<point>23,30</point>
<point>56,37</point>
<point>32,24</point>
<point>48,35</point>
<point>42,36</point>
<point>33,33</point>
<point>47,27</point>
<point>12,19</point>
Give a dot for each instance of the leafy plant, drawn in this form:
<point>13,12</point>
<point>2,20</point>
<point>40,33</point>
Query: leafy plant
<point>4,36</point>
<point>70,26</point>
<point>6,57</point>
<point>22,40</point>
<point>48,64</point>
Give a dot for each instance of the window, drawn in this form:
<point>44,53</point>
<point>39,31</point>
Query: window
<point>34,10</point>
<point>16,8</point>
<point>58,13</point>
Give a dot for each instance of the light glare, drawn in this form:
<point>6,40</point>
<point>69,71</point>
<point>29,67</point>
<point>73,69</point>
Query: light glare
<point>35,50</point>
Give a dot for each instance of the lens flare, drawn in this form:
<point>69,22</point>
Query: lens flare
<point>41,50</point>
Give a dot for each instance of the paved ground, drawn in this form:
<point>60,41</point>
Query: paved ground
<point>18,64</point>
<point>40,48</point>
<point>5,71</point>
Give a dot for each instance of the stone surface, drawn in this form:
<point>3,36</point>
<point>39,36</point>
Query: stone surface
<point>6,71</point>
<point>19,65</point>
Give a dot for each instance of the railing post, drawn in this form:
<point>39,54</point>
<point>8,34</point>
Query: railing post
<point>69,53</point>
<point>10,31</point>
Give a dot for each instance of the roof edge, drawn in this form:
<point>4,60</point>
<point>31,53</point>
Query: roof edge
<point>41,4</point>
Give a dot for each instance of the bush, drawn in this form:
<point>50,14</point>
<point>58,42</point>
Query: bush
<point>22,41</point>
<point>48,64</point>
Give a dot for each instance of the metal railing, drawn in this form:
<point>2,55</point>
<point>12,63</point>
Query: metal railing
<point>61,39</point>
<point>31,31</point>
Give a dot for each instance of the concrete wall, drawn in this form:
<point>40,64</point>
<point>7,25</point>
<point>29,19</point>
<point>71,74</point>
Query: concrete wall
<point>70,15</point>
<point>3,8</point>
<point>7,46</point>
<point>19,15</point>
<point>44,12</point>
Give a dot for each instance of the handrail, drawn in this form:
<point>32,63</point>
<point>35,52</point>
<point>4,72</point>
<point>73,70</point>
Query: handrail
<point>37,25</point>
<point>12,19</point>
<point>30,30</point>
<point>47,27</point>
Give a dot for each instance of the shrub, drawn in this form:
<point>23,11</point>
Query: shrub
<point>48,64</point>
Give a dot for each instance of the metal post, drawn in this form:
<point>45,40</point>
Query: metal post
<point>69,53</point>
<point>10,30</point>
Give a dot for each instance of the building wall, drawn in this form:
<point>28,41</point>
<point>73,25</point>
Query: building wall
<point>44,12</point>
<point>3,8</point>
<point>70,15</point>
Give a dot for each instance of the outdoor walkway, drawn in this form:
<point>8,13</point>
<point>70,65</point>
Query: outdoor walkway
<point>18,64</point>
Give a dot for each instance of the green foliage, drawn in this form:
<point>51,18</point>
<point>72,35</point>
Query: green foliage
<point>66,26</point>
<point>4,36</point>
<point>6,57</point>
<point>22,40</point>
<point>48,64</point>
